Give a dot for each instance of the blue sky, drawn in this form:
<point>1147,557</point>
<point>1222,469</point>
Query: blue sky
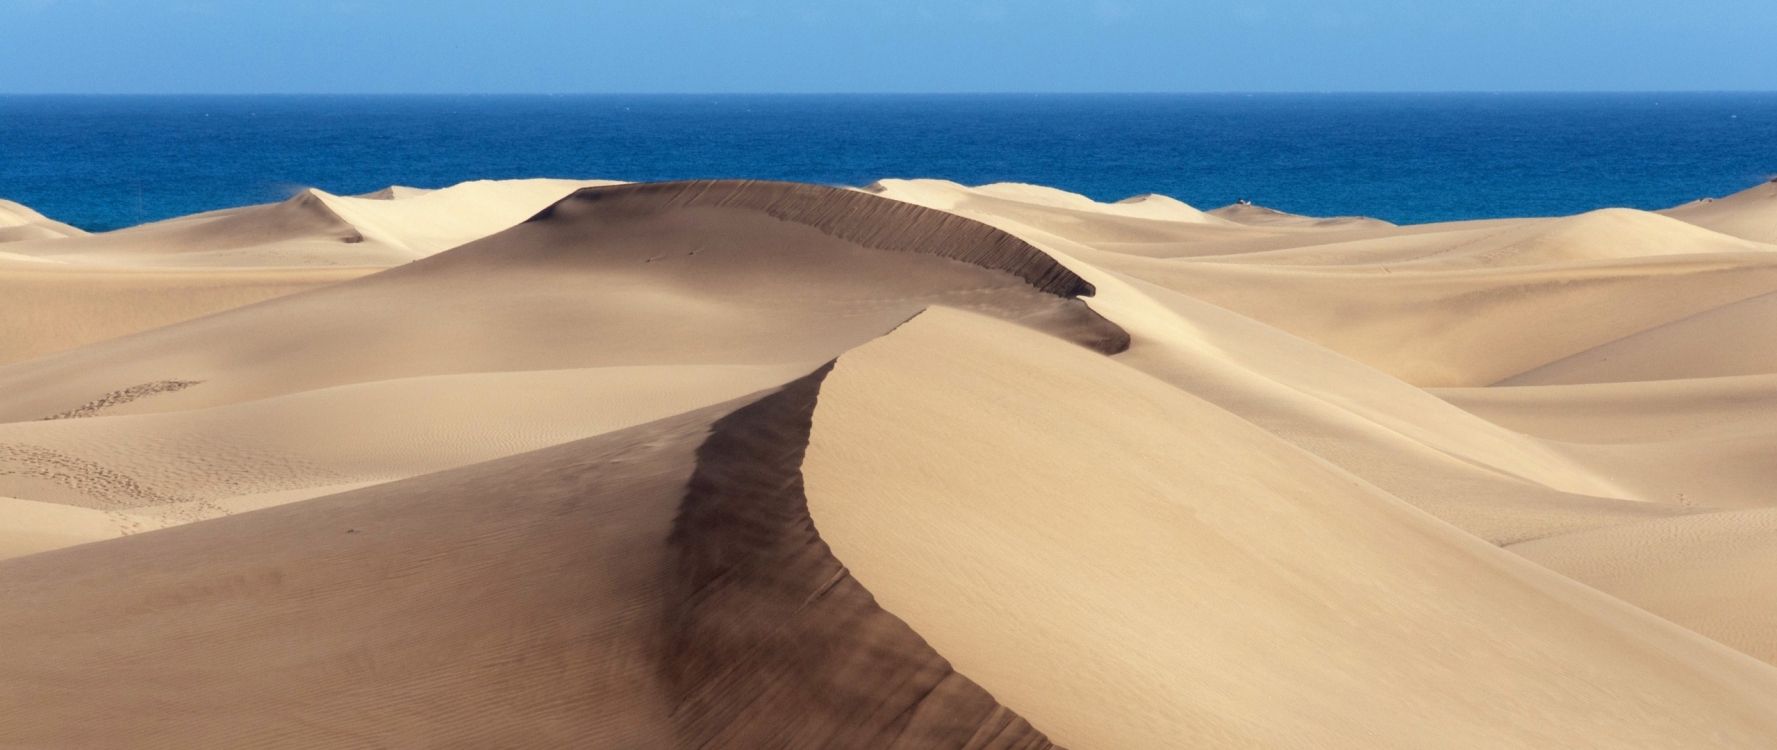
<point>556,46</point>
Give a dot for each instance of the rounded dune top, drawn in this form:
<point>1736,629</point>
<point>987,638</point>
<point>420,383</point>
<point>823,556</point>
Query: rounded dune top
<point>1166,207</point>
<point>15,214</point>
<point>1151,206</point>
<point>428,221</point>
<point>1257,215</point>
<point>1749,214</point>
<point>394,192</point>
<point>858,217</point>
<point>1038,194</point>
<point>1604,234</point>
<point>20,222</point>
<point>317,228</point>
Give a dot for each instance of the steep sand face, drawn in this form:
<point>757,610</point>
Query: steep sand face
<point>1110,475</point>
<point>1626,459</point>
<point>1489,480</point>
<point>653,587</point>
<point>1044,518</point>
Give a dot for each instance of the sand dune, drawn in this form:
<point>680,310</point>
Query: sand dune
<point>1502,486</point>
<point>395,192</point>
<point>75,290</point>
<point>315,227</point>
<point>704,273</point>
<point>1120,607</point>
<point>745,464</point>
<point>1256,215</point>
<point>36,526</point>
<point>286,444</point>
<point>54,307</point>
<point>18,222</point>
<point>1709,572</point>
<point>1435,327</point>
<point>1749,214</point>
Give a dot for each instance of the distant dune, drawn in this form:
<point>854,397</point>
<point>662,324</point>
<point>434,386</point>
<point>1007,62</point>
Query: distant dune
<point>1749,214</point>
<point>549,463</point>
<point>19,223</point>
<point>70,288</point>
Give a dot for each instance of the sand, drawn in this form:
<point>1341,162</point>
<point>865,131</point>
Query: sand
<point>61,288</point>
<point>19,222</point>
<point>742,464</point>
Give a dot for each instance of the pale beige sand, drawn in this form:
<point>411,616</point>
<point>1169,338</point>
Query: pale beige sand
<point>317,228</point>
<point>68,288</point>
<point>1046,518</point>
<point>1257,215</point>
<point>1710,572</point>
<point>34,526</point>
<point>19,222</point>
<point>1750,213</point>
<point>283,447</point>
<point>1113,475</point>
<point>1494,482</point>
<point>53,307</point>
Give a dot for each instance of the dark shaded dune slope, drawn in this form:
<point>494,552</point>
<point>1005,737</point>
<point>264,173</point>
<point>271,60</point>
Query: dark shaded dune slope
<point>661,586</point>
<point>765,607</point>
<point>678,273</point>
<point>853,216</point>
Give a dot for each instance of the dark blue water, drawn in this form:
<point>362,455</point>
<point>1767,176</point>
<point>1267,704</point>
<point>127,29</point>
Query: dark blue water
<point>107,162</point>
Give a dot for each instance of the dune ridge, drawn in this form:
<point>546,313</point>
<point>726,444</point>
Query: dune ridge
<point>1749,214</point>
<point>19,222</point>
<point>854,217</point>
<point>62,290</point>
<point>730,597</point>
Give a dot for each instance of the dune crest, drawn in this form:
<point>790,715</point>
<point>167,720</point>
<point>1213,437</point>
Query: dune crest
<point>19,222</point>
<point>1118,608</point>
<point>314,227</point>
<point>1750,214</point>
<point>60,293</point>
<point>1257,215</point>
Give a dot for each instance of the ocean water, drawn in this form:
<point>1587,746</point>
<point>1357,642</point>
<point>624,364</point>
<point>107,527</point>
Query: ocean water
<point>108,162</point>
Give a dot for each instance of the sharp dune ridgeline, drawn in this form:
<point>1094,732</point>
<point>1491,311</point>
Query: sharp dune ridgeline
<point>719,463</point>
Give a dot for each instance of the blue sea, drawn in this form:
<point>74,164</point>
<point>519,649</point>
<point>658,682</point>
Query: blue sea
<point>107,162</point>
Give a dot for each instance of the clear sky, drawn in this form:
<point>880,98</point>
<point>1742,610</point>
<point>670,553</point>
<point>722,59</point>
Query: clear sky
<point>569,46</point>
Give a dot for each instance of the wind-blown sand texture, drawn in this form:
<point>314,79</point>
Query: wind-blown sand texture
<point>753,464</point>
